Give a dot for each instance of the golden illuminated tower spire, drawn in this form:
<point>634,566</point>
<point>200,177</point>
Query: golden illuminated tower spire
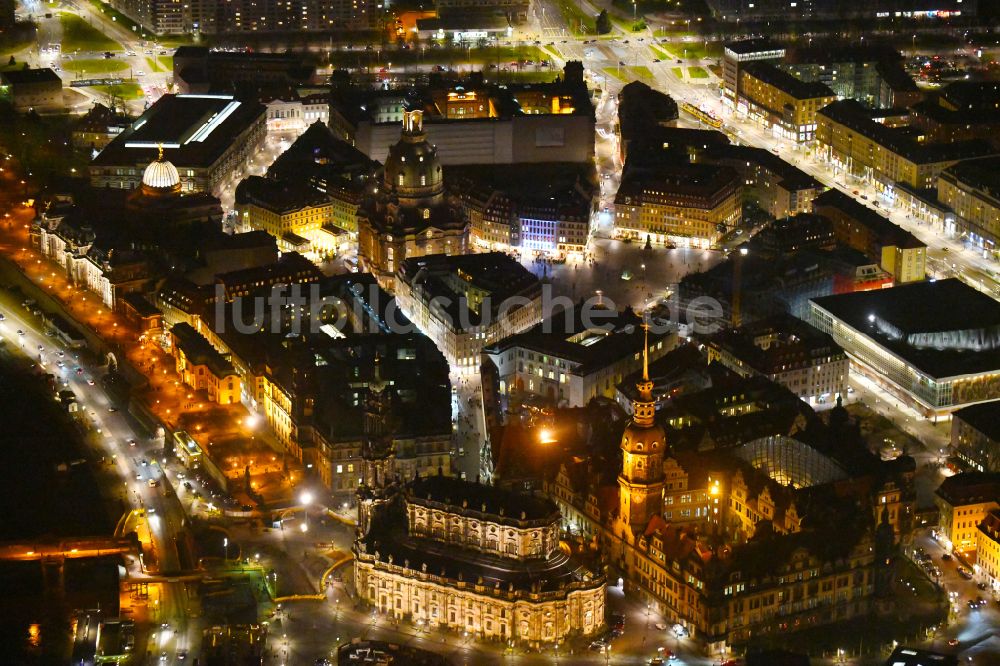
<point>644,407</point>
<point>645,351</point>
<point>159,157</point>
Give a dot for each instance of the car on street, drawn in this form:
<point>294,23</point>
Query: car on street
<point>965,573</point>
<point>946,557</point>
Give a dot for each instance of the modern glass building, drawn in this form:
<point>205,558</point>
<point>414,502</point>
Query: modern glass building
<point>935,345</point>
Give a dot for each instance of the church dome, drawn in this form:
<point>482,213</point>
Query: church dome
<point>161,176</point>
<point>412,168</point>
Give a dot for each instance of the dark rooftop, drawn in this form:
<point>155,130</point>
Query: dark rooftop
<point>963,338</point>
<point>199,351</point>
<point>747,46</point>
<point>195,131</point>
<point>772,344</point>
<point>16,77</point>
<point>499,502</point>
<point>279,197</point>
<point>782,80</point>
<point>970,488</point>
<point>887,232</point>
<point>984,417</point>
<point>855,116</point>
<point>981,174</point>
<point>565,336</point>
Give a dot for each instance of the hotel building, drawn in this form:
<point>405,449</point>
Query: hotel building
<point>464,303</point>
<point>975,436</point>
<point>687,205</point>
<point>563,361</point>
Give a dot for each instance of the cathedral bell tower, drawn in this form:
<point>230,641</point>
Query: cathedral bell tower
<point>640,485</point>
<point>378,458</point>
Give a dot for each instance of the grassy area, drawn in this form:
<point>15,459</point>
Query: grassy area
<point>697,73</point>
<point>678,72</point>
<point>78,35</point>
<point>699,49</point>
<point>94,65</point>
<point>126,91</point>
<point>10,46</point>
<point>629,74</point>
<point>521,77</point>
<point>658,52</point>
<point>166,63</point>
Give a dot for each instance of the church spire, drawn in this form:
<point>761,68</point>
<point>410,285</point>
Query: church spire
<point>645,351</point>
<point>644,407</point>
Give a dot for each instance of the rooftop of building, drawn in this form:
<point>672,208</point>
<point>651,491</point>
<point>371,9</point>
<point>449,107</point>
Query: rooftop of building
<point>194,131</point>
<point>357,104</point>
<point>495,273</point>
<point>908,320</point>
<point>790,176</point>
<point>886,231</point>
<point>560,188</point>
<point>417,373</point>
<point>984,417</point>
<point>981,174</point>
<point>465,21</point>
<point>290,265</point>
<point>16,77</point>
<point>500,503</point>
<point>689,183</point>
<point>785,82</point>
<point>853,115</point>
<point>279,196</point>
<point>750,46</point>
<point>773,344</point>
<point>199,351</point>
<point>610,337</point>
<point>970,488</point>
<point>388,540</point>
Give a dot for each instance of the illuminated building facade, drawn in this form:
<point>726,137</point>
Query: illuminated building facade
<point>687,205</point>
<point>735,54</point>
<point>972,190</point>
<point>409,215</point>
<point>461,555</point>
<point>963,502</point>
<point>988,550</point>
<point>850,138</point>
<point>933,358</point>
<point>293,213</point>
<point>201,367</point>
<point>781,102</point>
<point>569,364</point>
